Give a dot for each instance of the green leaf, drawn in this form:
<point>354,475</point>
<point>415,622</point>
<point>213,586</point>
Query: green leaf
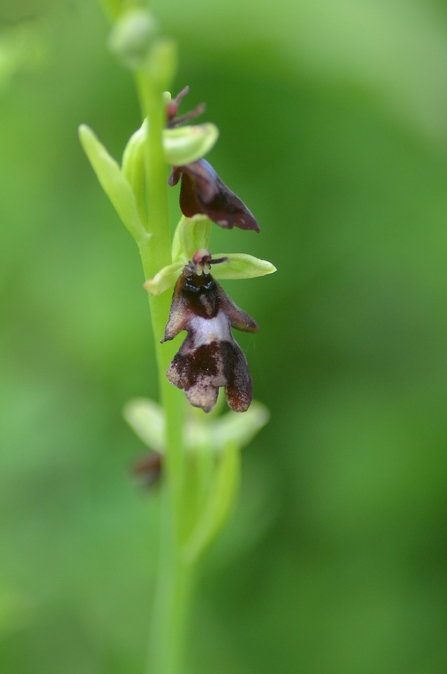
<point>147,419</point>
<point>191,235</point>
<point>221,499</point>
<point>113,182</point>
<point>165,278</point>
<point>188,143</point>
<point>241,266</point>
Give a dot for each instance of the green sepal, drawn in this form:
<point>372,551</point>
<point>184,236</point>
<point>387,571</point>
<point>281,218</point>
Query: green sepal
<point>221,498</point>
<point>147,419</point>
<point>113,182</point>
<point>215,433</point>
<point>132,166</point>
<point>188,143</point>
<point>240,266</point>
<point>240,428</point>
<point>165,278</point>
<point>180,146</point>
<point>191,235</point>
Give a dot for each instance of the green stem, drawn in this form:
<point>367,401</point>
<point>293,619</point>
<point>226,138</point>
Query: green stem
<point>174,576</point>
<point>167,630</point>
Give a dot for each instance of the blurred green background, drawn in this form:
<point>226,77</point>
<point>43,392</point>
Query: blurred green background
<point>333,119</point>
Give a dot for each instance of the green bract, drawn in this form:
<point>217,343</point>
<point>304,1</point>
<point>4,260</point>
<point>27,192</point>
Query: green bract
<point>113,183</point>
<point>222,492</point>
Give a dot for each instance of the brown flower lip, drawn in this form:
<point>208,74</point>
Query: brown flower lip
<point>202,191</point>
<point>209,357</point>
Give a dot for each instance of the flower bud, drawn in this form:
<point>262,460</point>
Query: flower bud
<point>131,37</point>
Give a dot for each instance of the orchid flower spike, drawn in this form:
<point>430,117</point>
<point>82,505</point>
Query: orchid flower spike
<point>209,357</point>
<point>202,191</point>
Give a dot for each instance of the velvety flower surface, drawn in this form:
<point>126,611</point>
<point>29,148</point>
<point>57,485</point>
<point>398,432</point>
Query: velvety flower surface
<point>202,191</point>
<point>209,356</point>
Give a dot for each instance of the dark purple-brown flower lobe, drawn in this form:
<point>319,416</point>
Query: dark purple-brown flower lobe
<point>202,191</point>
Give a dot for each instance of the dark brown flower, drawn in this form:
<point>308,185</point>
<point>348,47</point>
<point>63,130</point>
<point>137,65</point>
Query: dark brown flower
<point>209,356</point>
<point>202,191</point>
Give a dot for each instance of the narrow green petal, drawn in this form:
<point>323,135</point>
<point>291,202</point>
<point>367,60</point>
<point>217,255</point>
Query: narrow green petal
<point>147,419</point>
<point>191,235</point>
<point>113,182</point>
<point>165,278</point>
<point>188,143</point>
<point>240,266</point>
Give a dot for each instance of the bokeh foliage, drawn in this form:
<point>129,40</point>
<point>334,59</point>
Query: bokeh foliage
<point>333,130</point>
